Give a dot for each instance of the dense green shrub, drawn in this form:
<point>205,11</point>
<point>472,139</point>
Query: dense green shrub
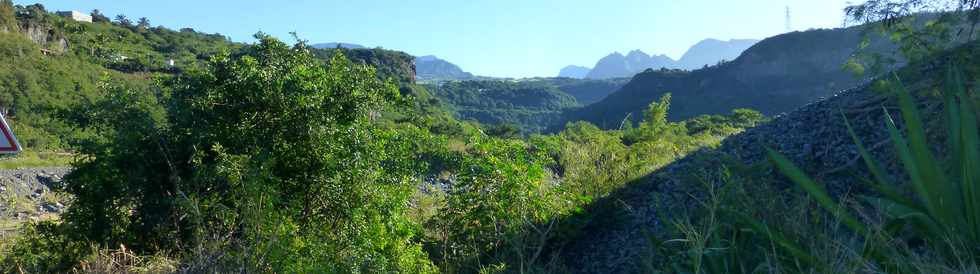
<point>267,153</point>
<point>499,210</point>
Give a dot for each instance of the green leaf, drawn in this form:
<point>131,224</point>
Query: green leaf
<point>945,198</point>
<point>969,148</point>
<point>923,190</point>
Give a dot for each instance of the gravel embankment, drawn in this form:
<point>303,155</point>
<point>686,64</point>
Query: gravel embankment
<point>814,136</point>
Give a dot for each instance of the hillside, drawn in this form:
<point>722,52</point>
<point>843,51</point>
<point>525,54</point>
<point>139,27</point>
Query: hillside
<point>587,91</point>
<point>390,64</point>
<point>51,64</point>
<point>430,68</point>
<point>775,75</point>
<point>617,238</point>
<point>529,104</point>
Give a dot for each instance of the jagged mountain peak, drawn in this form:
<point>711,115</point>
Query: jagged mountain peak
<point>708,52</point>
<point>637,52</point>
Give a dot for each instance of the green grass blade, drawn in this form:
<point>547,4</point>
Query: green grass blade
<point>969,148</point>
<point>951,90</point>
<point>945,196</point>
<point>922,189</point>
<point>801,179</point>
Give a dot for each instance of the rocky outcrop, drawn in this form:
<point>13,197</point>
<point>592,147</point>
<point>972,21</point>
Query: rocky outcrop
<point>46,37</point>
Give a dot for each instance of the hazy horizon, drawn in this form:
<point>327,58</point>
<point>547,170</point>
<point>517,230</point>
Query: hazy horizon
<point>501,38</point>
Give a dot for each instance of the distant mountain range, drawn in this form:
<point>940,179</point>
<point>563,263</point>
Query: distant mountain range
<point>577,72</point>
<point>705,53</point>
<point>336,44</point>
<point>775,75</point>
<point>709,52</point>
<point>432,68</point>
<point>616,65</point>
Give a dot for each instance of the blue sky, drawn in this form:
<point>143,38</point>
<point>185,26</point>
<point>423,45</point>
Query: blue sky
<point>504,38</point>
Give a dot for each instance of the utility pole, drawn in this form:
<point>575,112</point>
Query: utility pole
<point>789,23</point>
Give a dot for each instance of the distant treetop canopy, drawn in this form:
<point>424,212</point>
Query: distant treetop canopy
<point>890,10</point>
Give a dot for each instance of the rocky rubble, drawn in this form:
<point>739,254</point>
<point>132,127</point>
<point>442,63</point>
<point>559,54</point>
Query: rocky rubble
<point>814,137</point>
<point>26,193</point>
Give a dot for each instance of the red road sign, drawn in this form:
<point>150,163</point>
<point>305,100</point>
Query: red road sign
<point>8,143</point>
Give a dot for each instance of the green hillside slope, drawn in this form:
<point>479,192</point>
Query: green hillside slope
<point>776,75</point>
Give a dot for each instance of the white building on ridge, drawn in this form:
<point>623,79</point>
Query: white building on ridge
<point>77,16</point>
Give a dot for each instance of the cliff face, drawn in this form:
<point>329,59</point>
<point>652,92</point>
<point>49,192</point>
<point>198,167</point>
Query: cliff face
<point>34,28</point>
<point>46,37</point>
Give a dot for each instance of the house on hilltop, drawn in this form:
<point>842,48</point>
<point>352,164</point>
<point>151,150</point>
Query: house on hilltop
<point>75,15</point>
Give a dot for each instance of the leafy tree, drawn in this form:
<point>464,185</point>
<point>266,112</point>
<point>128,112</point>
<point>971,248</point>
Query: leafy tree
<point>654,126</point>
<point>920,28</point>
<point>746,118</point>
<point>36,9</point>
<point>98,17</point>
<point>389,64</point>
<point>655,116</point>
<point>890,11</point>
<point>123,20</point>
<point>143,23</point>
<point>506,131</point>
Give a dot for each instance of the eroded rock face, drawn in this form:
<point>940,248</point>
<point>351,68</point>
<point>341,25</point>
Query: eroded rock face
<point>46,37</point>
